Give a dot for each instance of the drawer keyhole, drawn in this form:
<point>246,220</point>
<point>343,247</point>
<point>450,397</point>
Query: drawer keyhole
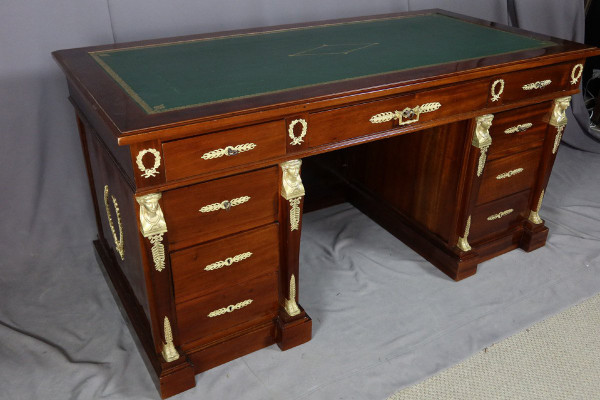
<point>231,151</point>
<point>408,113</point>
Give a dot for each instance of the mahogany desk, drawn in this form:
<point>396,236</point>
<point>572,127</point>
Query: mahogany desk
<point>193,148</point>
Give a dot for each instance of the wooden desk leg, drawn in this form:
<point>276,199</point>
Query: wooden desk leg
<point>294,326</point>
<point>466,264</point>
<point>175,372</point>
<point>535,231</point>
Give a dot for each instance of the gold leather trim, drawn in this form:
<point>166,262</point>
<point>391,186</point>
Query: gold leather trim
<point>318,51</point>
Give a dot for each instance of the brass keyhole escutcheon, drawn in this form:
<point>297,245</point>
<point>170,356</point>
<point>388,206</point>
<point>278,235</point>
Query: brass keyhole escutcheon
<point>408,113</point>
<point>231,151</point>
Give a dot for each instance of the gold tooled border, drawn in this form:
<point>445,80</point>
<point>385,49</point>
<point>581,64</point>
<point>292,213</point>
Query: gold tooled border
<point>96,55</point>
<point>124,85</point>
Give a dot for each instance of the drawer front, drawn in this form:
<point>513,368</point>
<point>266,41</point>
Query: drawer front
<point>519,130</point>
<point>509,175</point>
<point>201,318</point>
<point>378,116</point>
<point>224,206</point>
<point>221,150</point>
<point>499,216</point>
<point>216,265</point>
<point>532,83</point>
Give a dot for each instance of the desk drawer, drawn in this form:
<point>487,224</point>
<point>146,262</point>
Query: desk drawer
<point>201,318</point>
<point>218,264</point>
<point>378,116</point>
<point>498,216</point>
<point>221,207</point>
<point>519,130</point>
<point>509,175</point>
<point>215,151</point>
<point>533,82</point>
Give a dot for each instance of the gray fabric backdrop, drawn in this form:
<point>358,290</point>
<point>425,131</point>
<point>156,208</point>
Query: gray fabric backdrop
<point>61,335</point>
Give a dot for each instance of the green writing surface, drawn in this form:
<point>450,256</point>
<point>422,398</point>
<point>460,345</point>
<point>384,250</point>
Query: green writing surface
<point>191,73</point>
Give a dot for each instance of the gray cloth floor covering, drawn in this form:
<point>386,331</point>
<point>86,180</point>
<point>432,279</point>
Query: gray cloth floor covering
<point>383,318</point>
<point>557,359</point>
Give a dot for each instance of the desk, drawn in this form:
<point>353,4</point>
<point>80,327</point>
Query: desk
<point>441,128</point>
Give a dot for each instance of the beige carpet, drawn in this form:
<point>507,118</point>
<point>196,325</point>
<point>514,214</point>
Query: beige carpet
<point>555,359</point>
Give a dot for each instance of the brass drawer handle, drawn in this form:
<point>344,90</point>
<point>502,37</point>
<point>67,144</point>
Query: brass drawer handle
<point>230,308</point>
<point>228,261</point>
<point>225,204</point>
<point>500,214</point>
<point>510,173</point>
<point>519,128</point>
<point>406,116</point>
<point>537,85</point>
<point>228,151</point>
